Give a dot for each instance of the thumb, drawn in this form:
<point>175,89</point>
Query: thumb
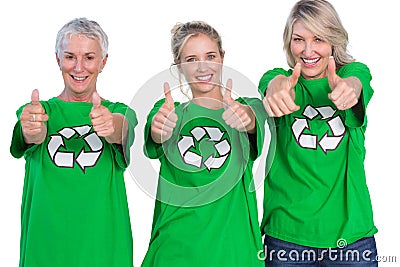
<point>228,92</point>
<point>96,100</point>
<point>295,75</point>
<point>332,76</point>
<point>35,97</point>
<point>168,96</point>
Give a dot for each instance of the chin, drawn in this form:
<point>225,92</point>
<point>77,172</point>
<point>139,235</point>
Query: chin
<point>312,75</point>
<point>206,88</point>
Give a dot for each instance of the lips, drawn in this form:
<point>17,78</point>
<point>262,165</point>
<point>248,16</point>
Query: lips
<point>204,78</point>
<point>78,79</point>
<point>310,61</point>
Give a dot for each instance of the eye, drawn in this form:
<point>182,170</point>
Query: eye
<point>319,40</point>
<point>69,57</point>
<point>90,57</point>
<point>210,57</point>
<point>191,59</point>
<point>297,39</point>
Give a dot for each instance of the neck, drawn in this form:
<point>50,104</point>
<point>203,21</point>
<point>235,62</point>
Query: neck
<point>68,96</point>
<point>209,101</point>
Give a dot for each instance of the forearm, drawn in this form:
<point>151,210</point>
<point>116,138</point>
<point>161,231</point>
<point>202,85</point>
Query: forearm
<point>120,129</point>
<point>355,83</point>
<point>251,129</point>
<point>35,136</point>
<point>157,138</point>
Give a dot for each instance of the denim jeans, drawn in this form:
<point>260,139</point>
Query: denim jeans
<point>281,253</point>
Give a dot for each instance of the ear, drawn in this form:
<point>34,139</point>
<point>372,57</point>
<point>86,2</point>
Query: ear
<point>222,56</point>
<point>58,61</point>
<point>178,65</point>
<point>103,62</point>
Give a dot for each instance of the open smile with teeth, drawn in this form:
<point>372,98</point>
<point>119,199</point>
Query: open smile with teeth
<point>79,79</point>
<point>311,61</point>
<point>204,78</point>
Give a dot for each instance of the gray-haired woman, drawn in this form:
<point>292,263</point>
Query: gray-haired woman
<point>76,147</point>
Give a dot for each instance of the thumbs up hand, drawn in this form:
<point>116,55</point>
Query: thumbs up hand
<point>32,120</point>
<point>102,119</point>
<point>280,95</point>
<point>164,121</point>
<point>345,91</point>
<point>237,116</point>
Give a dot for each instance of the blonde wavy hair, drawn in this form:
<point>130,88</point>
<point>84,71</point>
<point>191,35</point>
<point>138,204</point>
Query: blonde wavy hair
<point>320,17</point>
<point>182,32</point>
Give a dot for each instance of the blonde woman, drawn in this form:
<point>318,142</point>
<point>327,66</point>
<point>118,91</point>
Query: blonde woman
<point>205,213</point>
<point>317,208</point>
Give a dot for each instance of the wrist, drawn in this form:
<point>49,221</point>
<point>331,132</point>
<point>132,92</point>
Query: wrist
<point>252,126</point>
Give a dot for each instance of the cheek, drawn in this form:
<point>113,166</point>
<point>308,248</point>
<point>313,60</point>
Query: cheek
<point>185,74</point>
<point>65,69</point>
<point>188,70</point>
<point>216,66</point>
<point>324,65</point>
<point>217,70</point>
<point>93,67</point>
<point>296,50</point>
<point>63,66</point>
<point>329,52</point>
<point>325,50</point>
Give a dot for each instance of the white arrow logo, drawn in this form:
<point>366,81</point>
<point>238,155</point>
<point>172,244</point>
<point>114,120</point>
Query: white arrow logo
<point>184,144</point>
<point>214,163</point>
<point>214,133</point>
<point>66,159</point>
<point>87,159</point>
<point>304,140</point>
<point>310,141</point>
<point>211,134</point>
<point>329,142</point>
<point>55,142</point>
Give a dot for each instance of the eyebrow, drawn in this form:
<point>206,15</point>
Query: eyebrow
<point>296,34</point>
<point>67,52</point>
<point>207,53</point>
<point>315,36</point>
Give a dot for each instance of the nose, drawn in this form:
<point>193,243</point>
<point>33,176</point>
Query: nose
<point>78,65</point>
<point>308,49</point>
<point>202,66</point>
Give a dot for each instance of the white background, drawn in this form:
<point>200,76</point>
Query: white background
<point>139,34</point>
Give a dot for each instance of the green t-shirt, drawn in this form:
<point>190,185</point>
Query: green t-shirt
<point>206,211</point>
<point>316,192</point>
<point>74,207</point>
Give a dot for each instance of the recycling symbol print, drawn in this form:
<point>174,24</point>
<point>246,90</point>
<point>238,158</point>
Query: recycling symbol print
<point>311,141</point>
<point>66,159</point>
<point>211,135</point>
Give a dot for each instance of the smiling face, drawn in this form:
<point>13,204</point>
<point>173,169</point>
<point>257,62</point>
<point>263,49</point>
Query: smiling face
<point>80,62</point>
<point>201,64</point>
<point>311,51</point>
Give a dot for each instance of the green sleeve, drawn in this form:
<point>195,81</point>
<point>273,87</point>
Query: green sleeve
<point>18,147</point>
<point>152,149</point>
<point>122,152</point>
<point>262,88</point>
<point>256,139</point>
<point>268,76</point>
<point>356,116</point>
